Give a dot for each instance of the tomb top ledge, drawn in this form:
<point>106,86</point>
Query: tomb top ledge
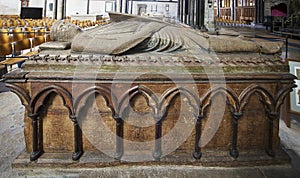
<point>67,66</point>
<point>151,63</point>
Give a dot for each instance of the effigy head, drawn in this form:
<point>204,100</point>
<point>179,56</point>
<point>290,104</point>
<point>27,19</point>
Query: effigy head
<point>64,31</point>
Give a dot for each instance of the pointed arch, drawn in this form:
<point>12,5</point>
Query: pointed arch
<point>281,95</point>
<point>265,96</point>
<point>36,104</point>
<point>21,93</point>
<point>38,100</point>
<point>149,95</point>
<point>231,99</point>
<point>169,95</point>
<point>109,98</point>
<point>79,104</point>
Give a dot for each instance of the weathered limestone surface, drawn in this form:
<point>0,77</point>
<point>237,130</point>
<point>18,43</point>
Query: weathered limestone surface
<point>153,97</point>
<point>136,34</point>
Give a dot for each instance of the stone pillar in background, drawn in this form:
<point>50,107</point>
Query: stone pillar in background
<point>233,10</point>
<point>186,5</point>
<point>45,8</point>
<point>124,6</point>
<point>267,8</point>
<point>88,7</point>
<point>209,19</point>
<point>55,9</point>
<point>218,7</point>
<point>64,9</point>
<point>119,6</point>
<point>59,7</point>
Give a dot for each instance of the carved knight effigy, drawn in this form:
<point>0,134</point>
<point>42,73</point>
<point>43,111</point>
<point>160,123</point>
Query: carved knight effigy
<point>133,34</point>
<point>142,90</point>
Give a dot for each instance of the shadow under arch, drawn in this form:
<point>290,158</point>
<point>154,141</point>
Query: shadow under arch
<point>36,105</point>
<point>162,107</point>
<point>110,101</point>
<point>123,103</point>
<point>38,100</point>
<point>109,97</point>
<point>125,98</point>
<point>48,121</point>
<point>205,101</point>
<point>271,104</point>
<point>265,97</point>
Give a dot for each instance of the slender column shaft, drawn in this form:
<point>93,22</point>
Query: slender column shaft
<point>55,10</point>
<point>34,135</point>
<point>182,11</point>
<point>78,145</point>
<point>158,132</point>
<point>197,16</point>
<point>197,152</point>
<point>269,148</point>
<point>233,10</point>
<point>202,11</point>
<point>186,10</point>
<point>234,151</point>
<point>218,8</point>
<point>36,148</point>
<point>45,8</point>
<point>88,7</point>
<point>64,9</point>
<point>119,138</point>
<point>192,13</point>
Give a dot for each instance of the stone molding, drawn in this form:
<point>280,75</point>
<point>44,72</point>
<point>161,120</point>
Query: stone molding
<point>159,104</point>
<point>223,60</point>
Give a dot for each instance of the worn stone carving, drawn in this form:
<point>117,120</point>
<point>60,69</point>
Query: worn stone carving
<point>132,34</point>
<point>143,70</point>
<point>63,31</point>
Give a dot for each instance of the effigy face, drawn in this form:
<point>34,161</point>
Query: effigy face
<point>140,90</point>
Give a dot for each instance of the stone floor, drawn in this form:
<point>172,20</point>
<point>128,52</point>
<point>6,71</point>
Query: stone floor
<point>12,143</point>
<point>11,132</point>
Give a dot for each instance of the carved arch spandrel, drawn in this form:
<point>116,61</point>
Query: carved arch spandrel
<point>170,94</point>
<point>148,94</point>
<point>21,93</point>
<point>282,94</point>
<point>109,98</point>
<point>158,104</point>
<point>231,99</point>
<point>265,97</point>
<point>271,103</point>
<point>38,100</point>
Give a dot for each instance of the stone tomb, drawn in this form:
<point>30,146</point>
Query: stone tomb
<point>154,93</point>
